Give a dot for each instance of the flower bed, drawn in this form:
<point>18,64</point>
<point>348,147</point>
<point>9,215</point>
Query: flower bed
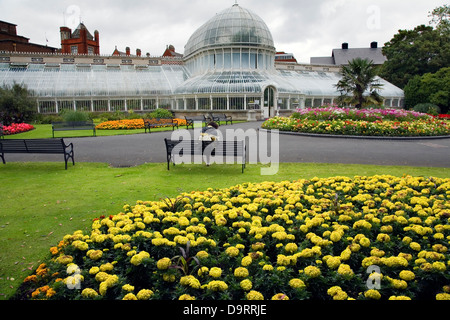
<point>335,113</point>
<point>430,127</point>
<point>16,128</point>
<point>130,124</point>
<point>307,239</point>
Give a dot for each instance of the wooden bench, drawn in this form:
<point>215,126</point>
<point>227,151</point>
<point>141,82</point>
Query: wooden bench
<point>159,122</point>
<point>191,119</point>
<point>73,125</point>
<point>217,117</point>
<point>224,149</point>
<point>43,146</point>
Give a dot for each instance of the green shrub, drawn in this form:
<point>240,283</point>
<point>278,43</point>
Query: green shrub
<point>427,108</point>
<point>75,116</point>
<point>161,113</point>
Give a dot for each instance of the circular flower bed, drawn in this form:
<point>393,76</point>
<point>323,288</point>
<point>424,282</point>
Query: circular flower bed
<point>370,122</point>
<point>379,237</point>
<point>133,124</point>
<point>16,128</point>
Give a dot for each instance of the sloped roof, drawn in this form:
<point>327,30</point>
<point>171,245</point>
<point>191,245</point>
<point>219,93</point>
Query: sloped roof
<point>343,56</point>
<point>76,33</point>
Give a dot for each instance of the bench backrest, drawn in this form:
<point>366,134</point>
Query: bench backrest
<point>194,147</point>
<point>195,118</point>
<point>33,146</point>
<point>73,124</point>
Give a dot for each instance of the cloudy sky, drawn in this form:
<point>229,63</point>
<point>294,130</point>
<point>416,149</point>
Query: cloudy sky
<point>303,27</point>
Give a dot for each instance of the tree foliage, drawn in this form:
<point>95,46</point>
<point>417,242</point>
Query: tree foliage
<point>422,50</point>
<point>429,88</point>
<point>16,105</point>
<point>359,85</point>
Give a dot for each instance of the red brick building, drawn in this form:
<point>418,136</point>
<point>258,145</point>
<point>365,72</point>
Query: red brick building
<point>10,41</point>
<point>80,41</point>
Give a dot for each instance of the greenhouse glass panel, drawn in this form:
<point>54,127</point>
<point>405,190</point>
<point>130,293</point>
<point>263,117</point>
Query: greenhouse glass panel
<point>219,103</point>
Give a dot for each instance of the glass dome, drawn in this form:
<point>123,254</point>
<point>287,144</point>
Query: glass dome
<point>234,26</point>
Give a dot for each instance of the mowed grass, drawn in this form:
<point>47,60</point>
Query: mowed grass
<point>41,202</point>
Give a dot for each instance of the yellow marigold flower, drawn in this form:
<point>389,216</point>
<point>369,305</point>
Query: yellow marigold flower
<point>280,296</point>
<point>186,297</point>
<point>345,270</point>
<point>246,261</point>
<point>291,247</point>
<point>382,237</point>
<point>106,267</point>
<point>399,298</point>
<point>80,245</point>
<point>144,294</point>
<point>365,242</point>
<point>407,275</point>
<point>415,246</point>
<point>89,293</point>
<point>443,296</point>
<point>246,284</point>
<point>169,277</point>
<point>267,267</point>
<point>129,296</point>
<point>163,263</point>
<point>372,294</point>
<point>241,272</point>
<point>203,270</point>
<point>202,254</point>
<point>94,270</point>
<point>297,283</point>
<point>190,281</point>
<point>215,272</point>
<point>232,251</point>
<point>336,235</point>
<point>254,295</point>
<point>217,285</point>
<point>333,290</point>
<point>65,259</point>
<point>137,258</point>
<point>128,287</point>
<point>439,266</point>
<point>312,271</point>
<point>333,262</point>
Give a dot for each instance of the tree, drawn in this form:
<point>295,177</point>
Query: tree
<point>359,77</point>
<point>415,52</point>
<point>429,88</point>
<point>16,105</point>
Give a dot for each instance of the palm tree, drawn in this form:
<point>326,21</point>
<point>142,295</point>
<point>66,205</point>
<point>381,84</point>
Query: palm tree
<point>359,85</point>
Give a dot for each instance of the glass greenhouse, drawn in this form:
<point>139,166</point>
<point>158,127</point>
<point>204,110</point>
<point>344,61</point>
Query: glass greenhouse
<point>228,65</point>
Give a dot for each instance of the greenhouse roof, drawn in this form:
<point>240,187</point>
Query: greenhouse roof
<point>233,26</point>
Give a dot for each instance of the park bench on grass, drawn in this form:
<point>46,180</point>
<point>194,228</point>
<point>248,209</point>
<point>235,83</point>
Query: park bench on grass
<point>160,122</point>
<point>73,125</point>
<point>43,146</point>
<point>223,150</point>
<point>217,117</point>
<point>191,119</point>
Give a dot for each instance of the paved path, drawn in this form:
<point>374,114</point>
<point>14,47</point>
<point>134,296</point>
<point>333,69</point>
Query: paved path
<point>131,150</point>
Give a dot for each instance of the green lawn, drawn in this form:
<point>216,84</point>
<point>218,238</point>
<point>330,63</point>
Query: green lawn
<point>41,202</point>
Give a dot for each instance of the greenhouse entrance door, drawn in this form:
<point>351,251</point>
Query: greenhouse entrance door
<point>269,102</point>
